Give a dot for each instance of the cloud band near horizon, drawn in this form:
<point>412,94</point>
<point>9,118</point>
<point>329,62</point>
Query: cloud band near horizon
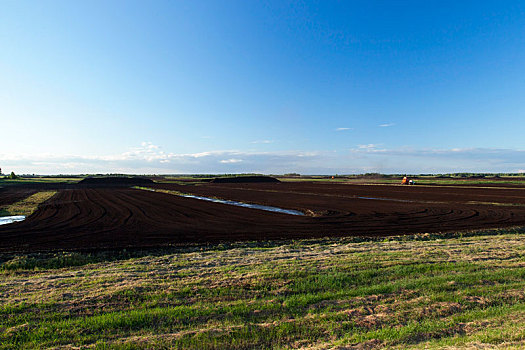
<point>150,159</point>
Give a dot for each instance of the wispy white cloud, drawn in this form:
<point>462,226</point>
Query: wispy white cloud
<point>386,125</point>
<point>263,141</point>
<point>231,161</point>
<point>343,129</point>
<point>371,147</point>
<point>149,158</point>
<point>428,160</point>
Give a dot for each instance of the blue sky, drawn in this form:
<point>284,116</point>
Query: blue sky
<point>262,86</point>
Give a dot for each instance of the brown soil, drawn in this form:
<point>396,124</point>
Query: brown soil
<point>116,181</point>
<point>12,195</point>
<point>79,217</point>
<point>245,179</point>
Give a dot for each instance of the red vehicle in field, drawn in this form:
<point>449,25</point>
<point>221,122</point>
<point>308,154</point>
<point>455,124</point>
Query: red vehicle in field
<point>406,181</point>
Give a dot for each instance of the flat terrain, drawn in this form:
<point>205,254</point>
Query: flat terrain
<point>10,195</point>
<point>369,266</point>
<point>402,292</point>
<point>97,217</point>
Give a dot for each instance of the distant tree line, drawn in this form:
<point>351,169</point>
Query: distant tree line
<point>12,176</point>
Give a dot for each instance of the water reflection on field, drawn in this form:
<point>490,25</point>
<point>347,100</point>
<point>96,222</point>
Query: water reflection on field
<point>10,219</point>
<point>246,205</point>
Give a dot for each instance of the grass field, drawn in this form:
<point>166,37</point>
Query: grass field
<point>418,291</point>
<point>28,205</point>
<point>38,180</point>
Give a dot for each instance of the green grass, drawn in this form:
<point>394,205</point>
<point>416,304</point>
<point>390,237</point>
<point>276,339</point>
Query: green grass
<point>38,180</point>
<point>400,292</point>
<point>28,205</point>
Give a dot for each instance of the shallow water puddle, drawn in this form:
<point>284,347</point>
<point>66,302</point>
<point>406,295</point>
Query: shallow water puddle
<point>10,219</point>
<point>245,205</point>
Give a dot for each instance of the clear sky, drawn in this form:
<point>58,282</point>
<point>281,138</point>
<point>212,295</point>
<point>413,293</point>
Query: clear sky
<point>315,87</point>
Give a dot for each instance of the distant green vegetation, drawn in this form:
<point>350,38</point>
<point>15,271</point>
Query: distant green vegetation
<point>399,292</point>
<point>429,179</point>
<point>422,179</point>
<point>37,180</point>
